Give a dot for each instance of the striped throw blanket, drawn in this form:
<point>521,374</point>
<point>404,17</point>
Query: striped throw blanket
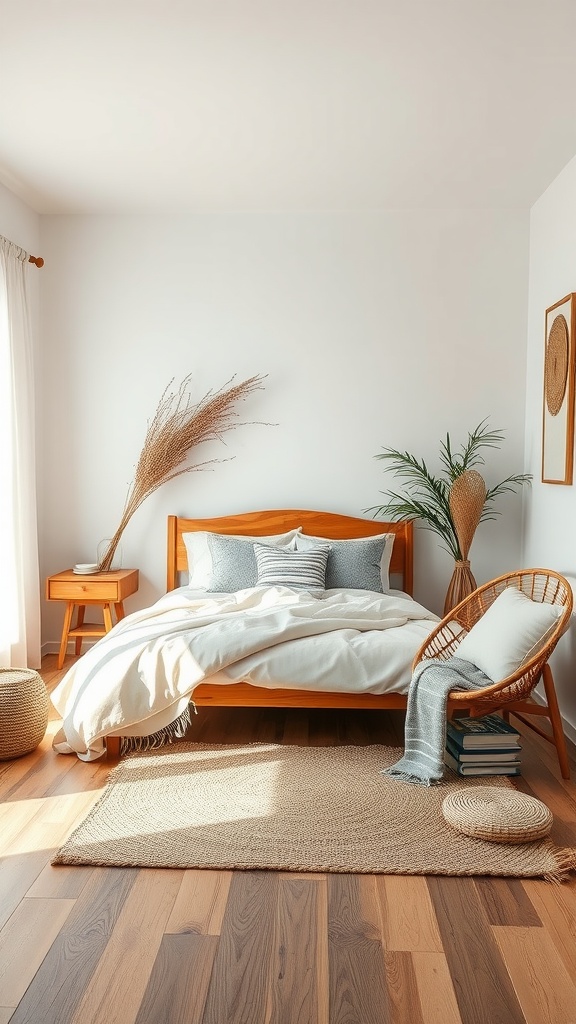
<point>425,728</point>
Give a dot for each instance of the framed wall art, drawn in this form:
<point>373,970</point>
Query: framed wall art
<point>558,404</point>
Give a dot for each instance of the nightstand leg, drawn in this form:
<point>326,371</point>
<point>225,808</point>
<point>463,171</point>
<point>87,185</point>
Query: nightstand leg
<point>79,621</point>
<point>119,609</point>
<point>107,612</point>
<point>65,629</point>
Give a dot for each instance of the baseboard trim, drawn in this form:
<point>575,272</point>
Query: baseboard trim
<point>53,646</point>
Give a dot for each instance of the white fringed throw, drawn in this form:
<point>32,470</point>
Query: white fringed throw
<point>425,727</point>
<point>176,730</point>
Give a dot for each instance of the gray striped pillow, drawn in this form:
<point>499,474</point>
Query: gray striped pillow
<point>301,570</point>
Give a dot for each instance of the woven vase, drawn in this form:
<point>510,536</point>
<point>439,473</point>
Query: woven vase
<point>466,499</point>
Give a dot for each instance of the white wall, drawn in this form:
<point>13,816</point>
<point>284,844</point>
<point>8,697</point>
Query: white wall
<point>19,223</point>
<point>550,537</point>
<point>375,329</point>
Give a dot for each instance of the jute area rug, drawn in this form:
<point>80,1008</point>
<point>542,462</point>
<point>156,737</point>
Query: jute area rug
<point>288,808</point>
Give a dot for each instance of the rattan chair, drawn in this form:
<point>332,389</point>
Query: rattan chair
<point>510,695</point>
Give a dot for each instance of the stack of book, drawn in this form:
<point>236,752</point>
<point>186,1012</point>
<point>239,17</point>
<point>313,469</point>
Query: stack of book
<point>482,746</point>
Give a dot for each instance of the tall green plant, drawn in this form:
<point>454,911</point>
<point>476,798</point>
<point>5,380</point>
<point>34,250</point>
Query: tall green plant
<point>426,497</point>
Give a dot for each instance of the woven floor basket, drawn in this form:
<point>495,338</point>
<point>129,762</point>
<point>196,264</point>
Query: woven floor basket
<point>498,815</point>
<point>24,706</point>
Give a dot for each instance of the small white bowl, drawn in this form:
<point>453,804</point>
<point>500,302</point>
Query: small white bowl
<point>85,567</point>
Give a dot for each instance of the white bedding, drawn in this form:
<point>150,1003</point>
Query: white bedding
<point>139,677</point>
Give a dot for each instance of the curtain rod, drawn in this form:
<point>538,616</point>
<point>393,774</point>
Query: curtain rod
<point>36,260</point>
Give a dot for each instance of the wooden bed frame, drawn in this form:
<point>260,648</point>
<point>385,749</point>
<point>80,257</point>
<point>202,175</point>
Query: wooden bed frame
<point>267,523</point>
<point>340,527</point>
<point>318,524</point>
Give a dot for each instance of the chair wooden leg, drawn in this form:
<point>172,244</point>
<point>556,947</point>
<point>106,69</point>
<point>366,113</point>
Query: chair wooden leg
<point>556,721</point>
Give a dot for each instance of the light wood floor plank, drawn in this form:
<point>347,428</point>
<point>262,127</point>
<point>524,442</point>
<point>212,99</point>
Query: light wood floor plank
<point>15,819</point>
<point>31,849</point>
<point>200,903</point>
<point>408,919</point>
<point>12,772</point>
<point>48,770</point>
<point>144,913</point>
<point>543,986</point>
<point>403,995</point>
<point>18,872</point>
<point>61,882</point>
<point>556,907</point>
<point>437,997</point>
<point>24,942</point>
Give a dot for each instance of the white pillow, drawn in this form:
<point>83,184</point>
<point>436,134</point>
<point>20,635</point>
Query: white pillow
<point>200,558</point>
<point>508,633</point>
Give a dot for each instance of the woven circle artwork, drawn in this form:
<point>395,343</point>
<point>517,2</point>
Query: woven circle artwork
<point>556,365</point>
<point>24,707</point>
<point>501,816</point>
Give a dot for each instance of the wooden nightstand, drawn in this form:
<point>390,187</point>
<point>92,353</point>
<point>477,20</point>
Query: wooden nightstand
<point>107,589</point>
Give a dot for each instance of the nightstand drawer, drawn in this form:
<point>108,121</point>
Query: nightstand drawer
<point>98,587</point>
<point>95,590</point>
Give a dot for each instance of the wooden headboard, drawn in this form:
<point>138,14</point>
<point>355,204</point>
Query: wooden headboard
<point>318,524</point>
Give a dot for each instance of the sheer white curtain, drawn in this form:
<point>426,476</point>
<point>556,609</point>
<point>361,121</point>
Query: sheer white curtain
<point>19,572</point>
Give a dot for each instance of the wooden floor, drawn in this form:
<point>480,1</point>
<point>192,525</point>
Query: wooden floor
<point>121,945</point>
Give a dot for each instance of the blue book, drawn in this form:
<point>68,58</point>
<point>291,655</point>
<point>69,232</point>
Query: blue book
<point>492,754</point>
<point>480,769</point>
<point>487,732</point>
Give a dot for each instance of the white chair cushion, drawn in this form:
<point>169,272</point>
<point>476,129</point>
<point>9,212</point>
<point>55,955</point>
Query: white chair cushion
<point>508,634</point>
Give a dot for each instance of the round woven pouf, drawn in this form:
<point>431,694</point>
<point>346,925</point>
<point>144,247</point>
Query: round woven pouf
<point>24,706</point>
<point>499,815</point>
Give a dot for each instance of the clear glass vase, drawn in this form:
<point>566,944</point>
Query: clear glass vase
<point>102,549</point>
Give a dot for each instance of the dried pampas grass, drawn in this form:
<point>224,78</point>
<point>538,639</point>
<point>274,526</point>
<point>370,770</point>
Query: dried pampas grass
<point>179,426</point>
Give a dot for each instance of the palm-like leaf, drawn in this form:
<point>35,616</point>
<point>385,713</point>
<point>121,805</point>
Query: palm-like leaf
<point>427,496</point>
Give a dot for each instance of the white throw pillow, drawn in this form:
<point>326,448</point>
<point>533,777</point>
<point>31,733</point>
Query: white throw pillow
<point>511,630</point>
<point>200,557</point>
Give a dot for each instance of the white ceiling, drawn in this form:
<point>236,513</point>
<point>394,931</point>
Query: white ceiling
<point>131,105</point>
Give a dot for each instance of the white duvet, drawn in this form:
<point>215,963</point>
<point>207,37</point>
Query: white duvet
<point>139,677</point>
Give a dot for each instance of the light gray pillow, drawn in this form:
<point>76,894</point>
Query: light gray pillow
<point>234,562</point>
<point>300,570</point>
<point>200,559</point>
<point>360,563</point>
